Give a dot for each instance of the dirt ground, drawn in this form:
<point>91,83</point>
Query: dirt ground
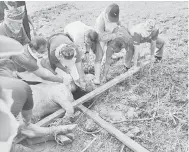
<point>151,106</point>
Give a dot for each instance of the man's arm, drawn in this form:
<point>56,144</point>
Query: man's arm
<point>136,54</point>
<point>33,27</point>
<point>155,34</point>
<point>80,71</point>
<point>79,65</point>
<point>47,75</point>
<point>107,63</point>
<point>153,47</point>
<point>137,47</point>
<point>100,28</point>
<point>60,66</point>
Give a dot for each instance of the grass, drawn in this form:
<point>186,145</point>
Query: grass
<point>158,93</point>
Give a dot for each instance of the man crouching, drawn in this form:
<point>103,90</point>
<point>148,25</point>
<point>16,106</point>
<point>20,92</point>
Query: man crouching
<point>86,38</point>
<point>65,55</point>
<point>146,32</point>
<point>123,41</point>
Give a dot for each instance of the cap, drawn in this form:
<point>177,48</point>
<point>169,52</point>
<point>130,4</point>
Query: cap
<point>113,13</point>
<point>93,35</point>
<point>68,51</point>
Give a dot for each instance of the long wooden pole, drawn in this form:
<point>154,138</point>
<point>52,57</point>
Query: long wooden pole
<point>87,97</point>
<point>113,131</point>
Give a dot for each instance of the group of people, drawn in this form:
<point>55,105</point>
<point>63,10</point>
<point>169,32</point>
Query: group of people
<point>59,59</point>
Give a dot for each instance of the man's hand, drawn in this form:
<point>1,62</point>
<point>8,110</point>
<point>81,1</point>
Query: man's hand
<point>119,34</point>
<point>152,59</point>
<point>82,83</point>
<point>67,70</point>
<point>103,80</point>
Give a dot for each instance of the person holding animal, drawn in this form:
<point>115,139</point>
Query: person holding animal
<point>65,55</point>
<point>15,97</point>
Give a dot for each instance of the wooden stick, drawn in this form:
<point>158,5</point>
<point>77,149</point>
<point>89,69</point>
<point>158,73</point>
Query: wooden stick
<point>122,148</point>
<point>113,131</point>
<point>89,144</point>
<point>87,97</point>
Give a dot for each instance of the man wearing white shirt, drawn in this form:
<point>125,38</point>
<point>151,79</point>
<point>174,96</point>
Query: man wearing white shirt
<point>113,37</point>
<point>86,38</point>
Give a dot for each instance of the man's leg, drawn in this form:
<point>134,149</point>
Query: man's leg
<point>129,57</point>
<point>104,48</point>
<point>97,49</point>
<point>160,45</point>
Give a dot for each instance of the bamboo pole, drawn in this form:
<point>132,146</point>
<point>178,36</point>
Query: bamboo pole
<point>113,131</point>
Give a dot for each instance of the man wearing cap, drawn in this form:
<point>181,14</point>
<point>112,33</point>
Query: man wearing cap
<point>30,60</point>
<point>15,95</point>
<point>145,32</point>
<point>86,38</point>
<point>64,54</point>
<point>112,35</point>
<point>106,22</point>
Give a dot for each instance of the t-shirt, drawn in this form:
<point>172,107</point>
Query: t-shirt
<point>141,35</point>
<point>26,61</point>
<point>76,31</point>
<point>103,25</point>
<point>7,68</point>
<point>54,42</point>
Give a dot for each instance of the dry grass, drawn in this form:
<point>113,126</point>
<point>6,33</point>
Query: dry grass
<point>158,93</point>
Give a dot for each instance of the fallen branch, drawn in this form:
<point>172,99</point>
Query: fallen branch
<point>87,97</point>
<point>113,131</point>
<point>122,148</point>
<point>89,145</point>
<point>145,119</point>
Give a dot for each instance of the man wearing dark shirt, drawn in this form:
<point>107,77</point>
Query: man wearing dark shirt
<point>145,33</point>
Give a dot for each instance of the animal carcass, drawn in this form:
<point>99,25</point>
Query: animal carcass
<point>50,97</point>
